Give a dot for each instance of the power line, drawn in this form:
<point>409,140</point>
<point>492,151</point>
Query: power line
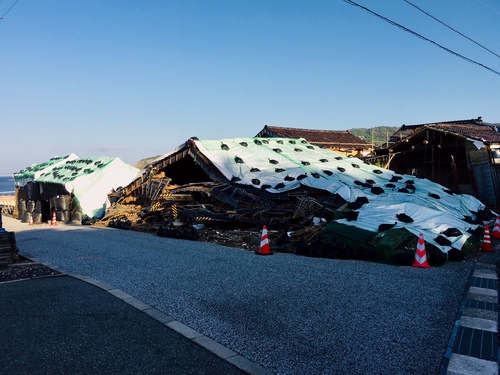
<point>449,27</point>
<point>8,10</point>
<point>421,36</point>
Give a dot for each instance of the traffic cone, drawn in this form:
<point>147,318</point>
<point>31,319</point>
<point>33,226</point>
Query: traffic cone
<point>496,229</point>
<point>54,219</point>
<point>486,246</point>
<point>420,254</point>
<point>30,221</point>
<point>264,243</point>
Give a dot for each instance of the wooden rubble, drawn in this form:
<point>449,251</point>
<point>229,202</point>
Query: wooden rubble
<point>224,213</point>
<point>9,252</point>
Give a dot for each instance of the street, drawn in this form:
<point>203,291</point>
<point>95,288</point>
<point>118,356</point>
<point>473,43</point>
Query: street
<point>287,313</point>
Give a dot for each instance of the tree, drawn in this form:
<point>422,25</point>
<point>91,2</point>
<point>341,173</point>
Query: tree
<point>377,135</point>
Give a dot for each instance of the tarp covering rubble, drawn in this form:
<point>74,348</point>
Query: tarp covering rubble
<point>89,180</point>
<point>279,164</point>
<point>31,173</point>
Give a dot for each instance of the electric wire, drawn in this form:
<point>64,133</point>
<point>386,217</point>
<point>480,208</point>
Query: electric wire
<point>449,27</point>
<point>8,10</point>
<point>421,36</point>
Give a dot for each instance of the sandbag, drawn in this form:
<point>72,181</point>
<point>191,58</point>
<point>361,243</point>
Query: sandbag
<point>404,218</point>
<point>352,215</point>
<point>443,241</point>
<point>362,200</point>
<point>452,232</point>
<point>377,190</point>
<point>384,227</point>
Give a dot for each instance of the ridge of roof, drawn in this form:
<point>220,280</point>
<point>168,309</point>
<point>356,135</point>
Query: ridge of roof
<point>325,137</point>
<point>271,127</point>
<point>477,121</point>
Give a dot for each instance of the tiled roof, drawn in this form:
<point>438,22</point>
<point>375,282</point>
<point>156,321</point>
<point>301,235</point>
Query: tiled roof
<point>474,129</point>
<point>479,132</point>
<point>318,137</point>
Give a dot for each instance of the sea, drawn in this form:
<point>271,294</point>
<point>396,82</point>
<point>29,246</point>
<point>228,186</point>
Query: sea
<point>6,185</point>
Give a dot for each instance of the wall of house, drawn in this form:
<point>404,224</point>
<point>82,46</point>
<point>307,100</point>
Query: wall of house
<point>346,152</point>
<point>486,177</point>
<point>495,177</point>
<point>439,157</point>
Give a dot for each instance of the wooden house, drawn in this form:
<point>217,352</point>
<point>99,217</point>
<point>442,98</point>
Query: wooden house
<point>340,141</point>
<point>462,155</point>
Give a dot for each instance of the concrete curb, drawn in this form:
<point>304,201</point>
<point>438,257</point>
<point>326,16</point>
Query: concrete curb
<point>481,324</point>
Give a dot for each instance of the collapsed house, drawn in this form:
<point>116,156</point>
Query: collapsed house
<point>24,180</point>
<point>72,187</point>
<point>295,187</point>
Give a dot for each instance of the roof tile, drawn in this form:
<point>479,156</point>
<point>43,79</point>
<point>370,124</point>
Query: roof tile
<point>318,137</point>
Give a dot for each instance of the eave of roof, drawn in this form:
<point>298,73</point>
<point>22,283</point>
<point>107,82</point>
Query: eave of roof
<point>473,129</point>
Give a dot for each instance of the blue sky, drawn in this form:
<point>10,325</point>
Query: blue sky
<point>133,79</point>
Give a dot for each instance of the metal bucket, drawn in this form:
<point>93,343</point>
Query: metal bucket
<point>76,216</point>
<point>63,216</point>
<point>21,209</point>
<point>37,217</point>
<point>30,206</point>
<point>59,203</point>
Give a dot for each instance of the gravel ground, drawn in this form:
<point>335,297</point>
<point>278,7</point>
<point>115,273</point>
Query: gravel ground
<point>290,314</point>
<point>25,270</point>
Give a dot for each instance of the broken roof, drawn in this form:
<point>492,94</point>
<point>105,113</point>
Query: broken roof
<point>277,165</point>
<point>322,138</point>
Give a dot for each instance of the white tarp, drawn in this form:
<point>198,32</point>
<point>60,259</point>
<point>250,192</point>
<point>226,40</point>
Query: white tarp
<point>284,164</point>
<point>90,180</point>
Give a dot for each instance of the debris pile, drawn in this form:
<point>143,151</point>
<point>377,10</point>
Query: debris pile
<point>315,202</point>
<point>221,213</point>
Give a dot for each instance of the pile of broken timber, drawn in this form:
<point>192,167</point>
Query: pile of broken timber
<point>9,252</point>
<point>219,204</point>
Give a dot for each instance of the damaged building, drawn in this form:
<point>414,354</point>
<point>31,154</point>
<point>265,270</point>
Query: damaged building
<point>324,203</point>
<point>462,155</point>
<point>72,187</point>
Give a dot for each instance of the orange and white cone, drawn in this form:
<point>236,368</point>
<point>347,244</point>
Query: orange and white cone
<point>264,249</point>
<point>30,221</point>
<point>54,219</point>
<point>420,254</point>
<point>486,246</point>
<point>495,233</point>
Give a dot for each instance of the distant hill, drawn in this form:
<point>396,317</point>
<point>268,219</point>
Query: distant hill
<point>378,135</point>
<point>142,163</point>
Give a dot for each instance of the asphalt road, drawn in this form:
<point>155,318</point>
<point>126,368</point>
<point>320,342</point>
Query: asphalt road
<point>63,325</point>
<point>289,314</point>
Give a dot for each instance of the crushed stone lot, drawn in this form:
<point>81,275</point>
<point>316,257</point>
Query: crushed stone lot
<point>25,269</point>
<point>290,314</point>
